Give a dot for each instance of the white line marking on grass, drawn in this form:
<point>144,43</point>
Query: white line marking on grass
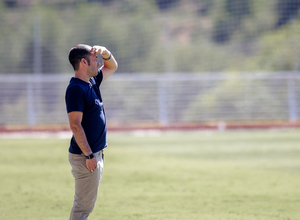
<point>36,134</point>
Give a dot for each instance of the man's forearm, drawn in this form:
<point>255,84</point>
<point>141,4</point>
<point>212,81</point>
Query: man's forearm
<point>81,140</point>
<point>111,63</point>
<point>109,66</point>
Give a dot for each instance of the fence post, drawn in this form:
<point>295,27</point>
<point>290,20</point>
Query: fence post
<point>37,68</point>
<point>162,102</point>
<point>30,104</point>
<point>293,114</point>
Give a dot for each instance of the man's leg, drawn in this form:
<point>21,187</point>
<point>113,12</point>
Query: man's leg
<point>86,185</point>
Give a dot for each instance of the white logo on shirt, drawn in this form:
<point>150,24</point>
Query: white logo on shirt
<point>97,102</point>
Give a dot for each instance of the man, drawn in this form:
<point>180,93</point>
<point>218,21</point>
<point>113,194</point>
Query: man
<point>88,123</point>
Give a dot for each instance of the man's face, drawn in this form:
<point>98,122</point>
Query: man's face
<point>94,65</point>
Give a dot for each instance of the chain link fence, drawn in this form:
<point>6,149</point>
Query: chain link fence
<point>158,98</point>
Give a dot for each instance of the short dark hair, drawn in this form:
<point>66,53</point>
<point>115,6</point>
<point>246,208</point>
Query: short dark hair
<point>77,53</point>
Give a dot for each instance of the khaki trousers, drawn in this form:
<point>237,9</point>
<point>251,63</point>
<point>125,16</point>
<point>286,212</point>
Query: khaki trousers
<point>86,185</point>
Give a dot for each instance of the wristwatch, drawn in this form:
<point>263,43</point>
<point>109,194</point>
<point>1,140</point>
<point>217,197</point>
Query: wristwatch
<point>91,156</point>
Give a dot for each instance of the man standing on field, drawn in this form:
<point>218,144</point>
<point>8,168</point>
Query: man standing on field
<point>88,123</point>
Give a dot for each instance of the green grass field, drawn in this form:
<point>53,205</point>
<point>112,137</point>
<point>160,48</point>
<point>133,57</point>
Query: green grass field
<point>236,175</point>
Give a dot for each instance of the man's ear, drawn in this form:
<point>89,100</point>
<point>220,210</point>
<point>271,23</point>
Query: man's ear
<point>84,62</point>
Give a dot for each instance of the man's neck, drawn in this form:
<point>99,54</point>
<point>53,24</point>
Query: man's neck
<point>82,76</point>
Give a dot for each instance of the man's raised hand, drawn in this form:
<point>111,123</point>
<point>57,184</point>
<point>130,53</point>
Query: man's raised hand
<point>102,50</point>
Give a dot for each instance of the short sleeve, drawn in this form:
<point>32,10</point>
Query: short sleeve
<point>75,99</point>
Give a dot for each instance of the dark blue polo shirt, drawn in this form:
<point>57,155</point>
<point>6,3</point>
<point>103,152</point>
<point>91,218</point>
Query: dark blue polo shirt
<point>86,97</point>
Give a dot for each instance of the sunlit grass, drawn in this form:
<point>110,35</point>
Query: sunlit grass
<point>189,175</point>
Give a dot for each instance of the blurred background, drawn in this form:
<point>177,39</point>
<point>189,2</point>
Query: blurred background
<point>182,63</point>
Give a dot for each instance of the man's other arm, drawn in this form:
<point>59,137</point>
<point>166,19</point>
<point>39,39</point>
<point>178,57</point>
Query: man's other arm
<point>75,119</point>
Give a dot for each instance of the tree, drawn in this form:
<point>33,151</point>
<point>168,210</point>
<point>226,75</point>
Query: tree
<point>287,10</point>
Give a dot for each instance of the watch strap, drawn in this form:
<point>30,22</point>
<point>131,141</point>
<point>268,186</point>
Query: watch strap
<point>91,156</point>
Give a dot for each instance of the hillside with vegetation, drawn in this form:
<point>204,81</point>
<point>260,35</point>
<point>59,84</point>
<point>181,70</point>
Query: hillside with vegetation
<point>152,36</point>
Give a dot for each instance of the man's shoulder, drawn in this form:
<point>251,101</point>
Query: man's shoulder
<point>76,84</point>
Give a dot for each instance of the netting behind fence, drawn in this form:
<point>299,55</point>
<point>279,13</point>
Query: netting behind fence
<point>163,99</point>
